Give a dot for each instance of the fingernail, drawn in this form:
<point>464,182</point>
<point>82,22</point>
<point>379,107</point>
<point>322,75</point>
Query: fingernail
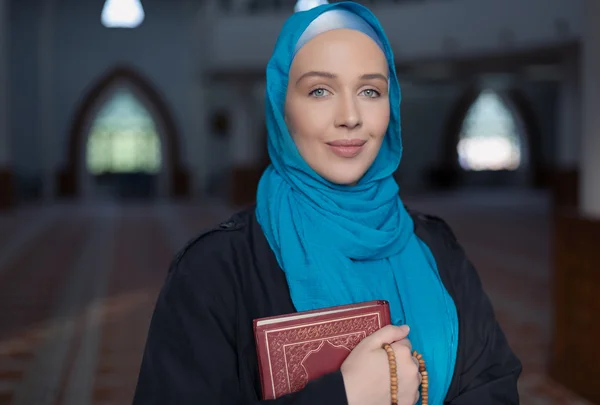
<point>405,328</point>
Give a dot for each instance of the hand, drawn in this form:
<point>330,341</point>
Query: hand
<point>366,370</point>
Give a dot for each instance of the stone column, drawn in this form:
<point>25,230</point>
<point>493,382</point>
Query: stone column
<point>244,144</point>
<point>48,140</point>
<point>242,125</point>
<point>566,171</point>
<point>570,115</point>
<point>590,142</point>
<point>7,197</point>
<point>197,153</point>
<point>575,351</point>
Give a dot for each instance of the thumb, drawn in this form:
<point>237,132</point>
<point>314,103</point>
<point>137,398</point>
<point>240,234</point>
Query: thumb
<point>390,334</point>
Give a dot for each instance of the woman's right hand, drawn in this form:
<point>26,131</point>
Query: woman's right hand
<point>366,370</point>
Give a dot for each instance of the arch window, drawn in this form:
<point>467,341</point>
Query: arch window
<point>489,136</point>
<point>123,137</point>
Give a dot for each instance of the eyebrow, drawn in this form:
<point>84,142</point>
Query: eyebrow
<point>327,75</point>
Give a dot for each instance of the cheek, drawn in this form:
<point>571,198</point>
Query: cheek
<point>308,125</point>
<point>378,121</point>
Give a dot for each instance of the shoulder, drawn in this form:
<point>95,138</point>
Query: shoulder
<point>453,264</point>
<point>432,227</point>
<point>212,255</point>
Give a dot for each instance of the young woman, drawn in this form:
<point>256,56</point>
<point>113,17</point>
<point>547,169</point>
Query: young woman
<point>328,229</point>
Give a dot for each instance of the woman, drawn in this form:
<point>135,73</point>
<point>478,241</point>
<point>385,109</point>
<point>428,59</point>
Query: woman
<point>328,229</point>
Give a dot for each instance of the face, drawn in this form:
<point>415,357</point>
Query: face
<point>337,107</point>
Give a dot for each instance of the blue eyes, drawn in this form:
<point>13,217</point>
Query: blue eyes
<point>371,93</point>
<point>320,92</point>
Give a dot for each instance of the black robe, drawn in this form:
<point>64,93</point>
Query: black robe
<point>200,348</point>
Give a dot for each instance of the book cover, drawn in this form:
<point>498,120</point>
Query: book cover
<point>294,349</point>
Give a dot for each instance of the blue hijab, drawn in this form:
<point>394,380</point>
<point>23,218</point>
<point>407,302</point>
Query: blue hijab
<point>346,244</point>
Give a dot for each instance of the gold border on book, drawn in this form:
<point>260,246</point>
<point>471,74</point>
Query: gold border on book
<point>377,313</point>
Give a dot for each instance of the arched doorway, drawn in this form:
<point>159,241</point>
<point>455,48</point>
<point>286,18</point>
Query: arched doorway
<point>119,96</point>
<point>124,154</point>
<point>492,143</point>
<point>491,138</point>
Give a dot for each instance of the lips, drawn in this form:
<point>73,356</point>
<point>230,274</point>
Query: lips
<point>347,142</point>
<point>347,148</point>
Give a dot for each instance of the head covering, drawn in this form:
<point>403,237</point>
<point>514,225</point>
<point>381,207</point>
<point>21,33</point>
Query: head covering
<point>337,18</point>
<point>341,244</point>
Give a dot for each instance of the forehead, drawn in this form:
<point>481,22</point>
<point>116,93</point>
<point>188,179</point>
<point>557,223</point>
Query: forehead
<point>340,49</point>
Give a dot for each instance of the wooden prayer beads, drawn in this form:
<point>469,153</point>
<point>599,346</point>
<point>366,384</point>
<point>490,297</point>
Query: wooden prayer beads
<point>394,375</point>
<point>424,380</point>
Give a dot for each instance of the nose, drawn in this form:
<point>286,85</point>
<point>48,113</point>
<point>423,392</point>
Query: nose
<point>348,114</point>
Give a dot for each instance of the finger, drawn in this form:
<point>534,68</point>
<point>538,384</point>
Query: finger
<point>418,372</point>
<point>403,345</point>
<point>416,361</point>
<point>417,396</point>
<point>389,334</point>
<point>406,342</point>
<point>403,349</point>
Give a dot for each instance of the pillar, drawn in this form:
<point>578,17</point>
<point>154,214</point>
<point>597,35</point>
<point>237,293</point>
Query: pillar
<point>47,139</point>
<point>590,143</point>
<point>242,142</point>
<point>245,144</point>
<point>198,145</point>
<point>566,172</point>
<point>575,351</point>
<point>7,190</point>
<point>569,114</point>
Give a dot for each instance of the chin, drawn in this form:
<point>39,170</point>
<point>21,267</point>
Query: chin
<point>344,178</point>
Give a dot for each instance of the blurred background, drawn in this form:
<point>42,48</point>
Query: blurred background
<point>129,126</point>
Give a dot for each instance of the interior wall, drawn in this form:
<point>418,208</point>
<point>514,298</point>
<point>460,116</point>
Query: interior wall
<point>426,110</point>
<point>218,160</point>
<point>22,104</point>
<point>543,96</point>
<point>223,99</point>
<point>159,50</point>
<point>418,30</point>
<point>162,49</point>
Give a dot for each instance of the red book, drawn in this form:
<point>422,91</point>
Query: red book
<point>294,349</point>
